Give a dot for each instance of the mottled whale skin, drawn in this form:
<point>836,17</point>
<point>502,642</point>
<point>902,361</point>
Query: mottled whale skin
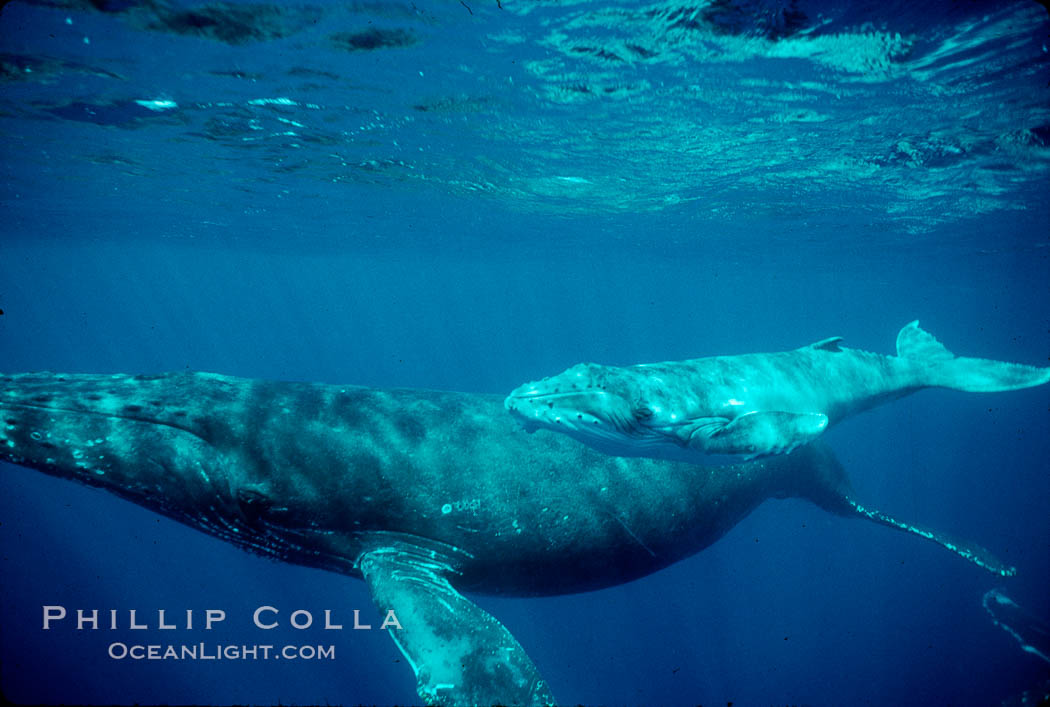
<point>753,404</point>
<point>422,494</point>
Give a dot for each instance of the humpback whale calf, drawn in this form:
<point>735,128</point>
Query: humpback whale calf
<point>753,404</point>
<point>424,495</point>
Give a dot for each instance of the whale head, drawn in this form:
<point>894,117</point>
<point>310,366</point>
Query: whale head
<point>597,405</point>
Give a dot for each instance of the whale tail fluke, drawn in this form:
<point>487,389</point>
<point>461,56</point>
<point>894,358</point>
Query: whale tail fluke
<point>974,375</point>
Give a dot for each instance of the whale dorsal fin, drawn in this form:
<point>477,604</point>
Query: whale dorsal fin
<point>829,344</point>
<point>461,654</point>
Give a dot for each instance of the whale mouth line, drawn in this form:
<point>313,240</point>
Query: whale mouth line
<point>97,413</point>
<point>554,396</point>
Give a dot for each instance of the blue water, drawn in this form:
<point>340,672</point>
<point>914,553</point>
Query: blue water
<point>442,196</point>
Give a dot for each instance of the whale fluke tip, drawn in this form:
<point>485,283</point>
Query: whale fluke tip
<point>973,375</point>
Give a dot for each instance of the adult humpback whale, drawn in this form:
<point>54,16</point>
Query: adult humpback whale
<point>422,494</point>
<point>753,404</point>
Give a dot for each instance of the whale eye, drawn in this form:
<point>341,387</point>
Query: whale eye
<point>642,412</point>
<point>254,503</point>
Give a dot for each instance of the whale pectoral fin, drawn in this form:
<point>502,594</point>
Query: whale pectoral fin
<point>461,655</point>
<point>757,434</point>
<point>694,432</point>
<point>966,550</point>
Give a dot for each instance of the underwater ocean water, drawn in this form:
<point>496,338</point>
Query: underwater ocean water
<point>468,195</point>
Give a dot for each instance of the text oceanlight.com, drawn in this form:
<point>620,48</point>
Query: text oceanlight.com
<point>204,651</point>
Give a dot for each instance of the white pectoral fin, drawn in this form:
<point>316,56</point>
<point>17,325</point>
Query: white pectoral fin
<point>756,433</point>
<point>694,432</point>
<point>461,654</point>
